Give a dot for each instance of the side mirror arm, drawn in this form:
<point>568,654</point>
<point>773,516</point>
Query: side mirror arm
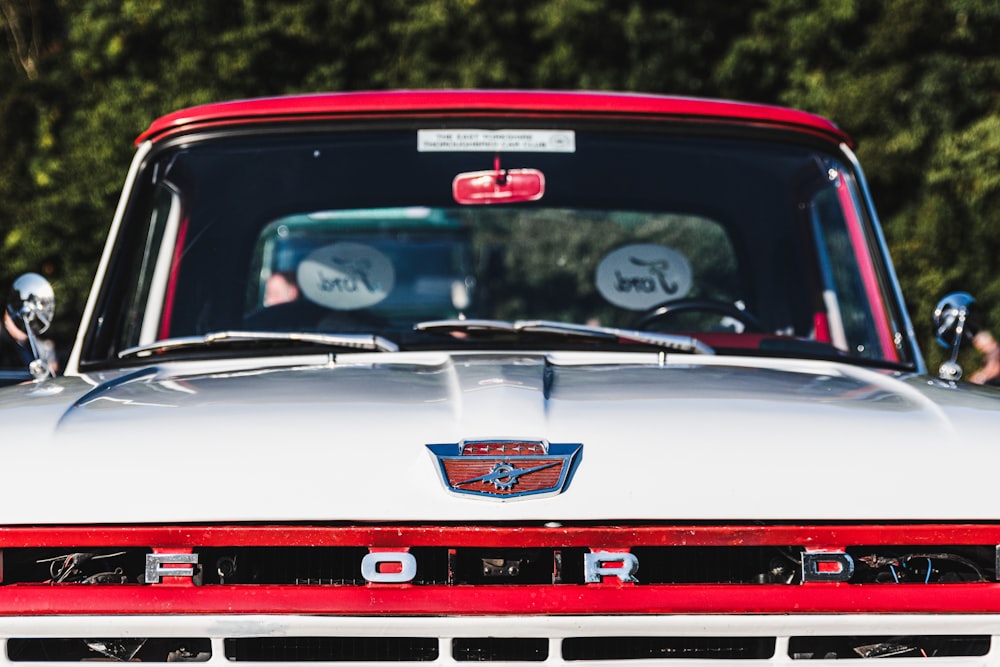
<point>30,307</point>
<point>952,324</point>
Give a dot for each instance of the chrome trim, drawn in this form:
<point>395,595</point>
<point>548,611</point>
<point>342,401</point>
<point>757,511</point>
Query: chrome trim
<point>30,308</point>
<point>155,566</point>
<point>811,561</point>
<point>371,561</point>
<point>595,566</point>
<point>73,364</point>
<point>506,470</point>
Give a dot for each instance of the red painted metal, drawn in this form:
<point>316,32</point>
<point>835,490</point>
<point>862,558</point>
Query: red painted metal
<point>865,265</point>
<point>171,296</point>
<point>556,599</point>
<point>606,537</point>
<point>466,474</point>
<point>482,103</point>
<point>40,599</point>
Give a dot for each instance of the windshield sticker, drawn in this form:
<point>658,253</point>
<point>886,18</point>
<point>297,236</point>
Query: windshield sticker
<point>496,141</point>
<point>346,276</point>
<point>642,276</point>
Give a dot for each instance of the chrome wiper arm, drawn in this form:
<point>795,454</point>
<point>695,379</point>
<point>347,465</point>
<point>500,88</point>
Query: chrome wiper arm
<point>457,324</point>
<point>369,342</point>
<point>661,340</point>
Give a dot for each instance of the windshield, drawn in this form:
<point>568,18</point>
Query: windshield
<point>748,245</point>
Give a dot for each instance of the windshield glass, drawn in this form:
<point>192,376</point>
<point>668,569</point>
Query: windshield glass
<point>748,245</point>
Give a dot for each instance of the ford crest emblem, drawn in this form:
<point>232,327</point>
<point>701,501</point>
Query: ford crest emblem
<point>502,469</point>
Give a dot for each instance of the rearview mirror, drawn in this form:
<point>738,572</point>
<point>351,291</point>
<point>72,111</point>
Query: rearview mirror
<point>498,186</point>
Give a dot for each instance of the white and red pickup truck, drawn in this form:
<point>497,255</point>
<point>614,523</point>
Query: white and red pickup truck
<point>496,376</point>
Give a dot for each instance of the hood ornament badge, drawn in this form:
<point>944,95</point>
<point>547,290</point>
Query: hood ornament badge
<point>502,469</point>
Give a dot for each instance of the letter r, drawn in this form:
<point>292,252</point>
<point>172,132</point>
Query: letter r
<point>619,564</point>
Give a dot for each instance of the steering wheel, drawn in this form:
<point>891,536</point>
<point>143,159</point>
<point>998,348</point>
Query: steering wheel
<point>669,309</point>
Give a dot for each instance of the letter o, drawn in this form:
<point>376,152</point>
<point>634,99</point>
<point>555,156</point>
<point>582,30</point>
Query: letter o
<point>371,561</point>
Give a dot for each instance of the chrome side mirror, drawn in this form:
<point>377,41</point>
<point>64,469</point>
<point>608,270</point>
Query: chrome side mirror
<point>952,325</point>
<point>30,307</point>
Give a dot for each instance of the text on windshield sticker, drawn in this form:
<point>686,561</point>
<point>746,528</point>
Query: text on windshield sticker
<point>496,141</point>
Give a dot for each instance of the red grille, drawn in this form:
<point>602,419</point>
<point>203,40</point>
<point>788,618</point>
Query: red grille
<point>932,568</point>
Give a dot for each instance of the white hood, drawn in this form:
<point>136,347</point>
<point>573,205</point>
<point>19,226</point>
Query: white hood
<point>694,439</point>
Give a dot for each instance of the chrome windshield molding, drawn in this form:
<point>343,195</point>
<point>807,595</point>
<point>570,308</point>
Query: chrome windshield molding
<point>86,321</point>
<point>357,341</point>
<point>883,248</point>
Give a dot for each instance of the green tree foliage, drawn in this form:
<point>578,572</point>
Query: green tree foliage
<point>915,81</point>
<point>103,69</point>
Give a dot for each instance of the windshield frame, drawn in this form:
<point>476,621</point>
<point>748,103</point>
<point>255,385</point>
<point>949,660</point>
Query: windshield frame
<point>100,312</point>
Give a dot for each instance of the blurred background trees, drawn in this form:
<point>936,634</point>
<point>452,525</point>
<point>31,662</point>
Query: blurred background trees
<point>916,82</point>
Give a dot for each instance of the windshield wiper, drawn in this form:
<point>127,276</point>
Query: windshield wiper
<point>369,342</point>
<point>661,340</point>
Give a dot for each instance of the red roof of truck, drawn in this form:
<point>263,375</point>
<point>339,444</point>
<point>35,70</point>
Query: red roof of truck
<point>483,103</point>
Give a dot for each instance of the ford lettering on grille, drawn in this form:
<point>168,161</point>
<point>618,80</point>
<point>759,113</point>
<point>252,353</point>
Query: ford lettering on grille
<point>504,469</point>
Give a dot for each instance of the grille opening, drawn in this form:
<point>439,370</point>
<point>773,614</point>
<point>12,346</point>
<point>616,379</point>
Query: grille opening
<point>332,649</point>
<point>308,565</point>
<point>91,565</point>
<point>908,646</point>
<point>341,565</point>
<point>432,565</point>
<point>718,565</point>
<point>491,649</point>
<point>158,649</point>
<point>642,648</point>
<point>569,566</point>
<point>923,564</point>
<point>482,566</point>
<point>286,565</point>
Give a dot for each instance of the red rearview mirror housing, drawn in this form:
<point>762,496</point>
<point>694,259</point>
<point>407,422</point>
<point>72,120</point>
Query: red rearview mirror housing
<point>503,186</point>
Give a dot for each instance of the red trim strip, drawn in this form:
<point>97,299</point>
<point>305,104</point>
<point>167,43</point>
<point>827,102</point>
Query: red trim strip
<point>500,536</point>
<point>595,599</point>
<point>821,328</point>
<point>169,298</point>
<point>470,103</point>
<point>614,598</point>
<point>864,259</point>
